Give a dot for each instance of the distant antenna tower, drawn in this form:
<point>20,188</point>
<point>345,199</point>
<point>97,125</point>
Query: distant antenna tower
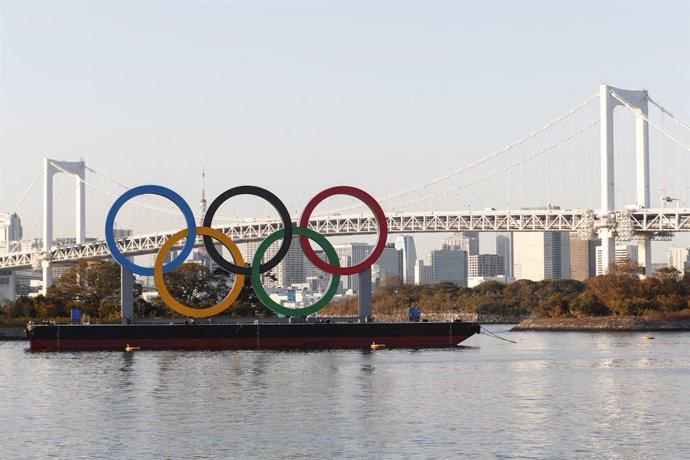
<point>203,197</point>
<point>202,251</point>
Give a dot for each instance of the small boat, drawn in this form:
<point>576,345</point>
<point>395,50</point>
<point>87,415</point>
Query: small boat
<point>647,337</point>
<point>376,346</point>
<point>131,348</point>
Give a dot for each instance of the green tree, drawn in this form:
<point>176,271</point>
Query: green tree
<point>86,285</point>
<point>489,287</point>
<point>620,290</point>
<point>588,304</point>
<point>196,286</point>
<point>23,307</point>
<point>49,307</point>
<point>556,305</point>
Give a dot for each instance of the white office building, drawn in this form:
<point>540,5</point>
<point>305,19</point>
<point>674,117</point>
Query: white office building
<point>541,256</point>
<point>623,253</point>
<point>405,243</point>
<point>679,258</point>
<point>423,273</point>
<point>462,241</point>
<point>487,265</point>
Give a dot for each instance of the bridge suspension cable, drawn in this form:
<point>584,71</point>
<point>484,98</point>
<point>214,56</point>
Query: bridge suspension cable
<point>172,209</point>
<point>39,219</point>
<point>26,193</point>
<point>115,195</point>
<point>165,203</point>
<point>675,118</point>
<point>502,169</point>
<point>482,160</point>
<point>646,118</point>
<point>112,181</point>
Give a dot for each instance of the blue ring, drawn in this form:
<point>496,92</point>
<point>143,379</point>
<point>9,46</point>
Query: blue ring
<point>150,190</point>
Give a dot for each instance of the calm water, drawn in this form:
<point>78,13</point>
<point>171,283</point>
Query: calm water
<point>551,395</point>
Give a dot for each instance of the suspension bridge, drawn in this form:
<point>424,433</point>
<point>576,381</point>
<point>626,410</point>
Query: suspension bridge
<point>610,222</point>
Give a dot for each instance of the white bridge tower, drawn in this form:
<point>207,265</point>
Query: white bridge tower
<point>77,169</point>
<point>638,100</point>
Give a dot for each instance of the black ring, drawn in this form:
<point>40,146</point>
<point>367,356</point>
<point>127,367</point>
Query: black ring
<point>275,202</point>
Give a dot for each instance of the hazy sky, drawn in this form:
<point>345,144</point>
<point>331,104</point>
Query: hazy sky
<point>299,96</point>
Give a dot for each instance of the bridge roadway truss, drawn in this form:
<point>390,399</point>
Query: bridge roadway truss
<point>626,224</point>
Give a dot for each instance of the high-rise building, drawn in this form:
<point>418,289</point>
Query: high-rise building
<point>583,255</point>
<point>679,258</point>
<point>423,273</point>
<point>448,265</point>
<point>351,254</point>
<point>346,281</point>
<point>623,253</point>
<point>539,256</point>
<point>485,265</point>
<point>389,265</point>
<point>313,274</point>
<point>405,243</point>
<point>462,241</point>
<point>10,227</point>
<point>504,248</point>
<point>60,269</point>
<point>10,231</point>
<point>289,271</point>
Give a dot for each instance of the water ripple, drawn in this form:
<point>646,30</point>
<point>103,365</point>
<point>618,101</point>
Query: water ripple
<point>548,396</point>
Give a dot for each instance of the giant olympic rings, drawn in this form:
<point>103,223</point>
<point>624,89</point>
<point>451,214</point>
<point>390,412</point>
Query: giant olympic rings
<point>237,266</point>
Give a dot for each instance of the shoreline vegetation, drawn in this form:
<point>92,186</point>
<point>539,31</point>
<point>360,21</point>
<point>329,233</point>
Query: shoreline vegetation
<point>675,322</point>
<point>620,300</point>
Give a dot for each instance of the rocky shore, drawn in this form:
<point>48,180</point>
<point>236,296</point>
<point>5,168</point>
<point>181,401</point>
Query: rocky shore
<point>608,323</point>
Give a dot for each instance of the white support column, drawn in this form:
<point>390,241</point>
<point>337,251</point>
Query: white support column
<point>644,244</point>
<point>642,151</point>
<point>80,174</point>
<point>47,224</point>
<point>606,106</point>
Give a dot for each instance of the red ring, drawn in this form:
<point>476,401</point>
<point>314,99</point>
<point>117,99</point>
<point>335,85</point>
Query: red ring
<point>373,206</point>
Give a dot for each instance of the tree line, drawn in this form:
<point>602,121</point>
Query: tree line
<point>619,292</point>
<point>93,287</point>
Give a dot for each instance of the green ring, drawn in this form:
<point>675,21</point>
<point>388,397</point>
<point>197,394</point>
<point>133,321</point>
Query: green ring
<point>263,295</point>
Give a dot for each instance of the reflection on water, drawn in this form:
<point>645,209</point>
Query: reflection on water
<point>550,395</point>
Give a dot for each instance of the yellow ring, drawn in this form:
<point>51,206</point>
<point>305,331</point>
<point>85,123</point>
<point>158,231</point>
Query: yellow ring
<point>182,308</point>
